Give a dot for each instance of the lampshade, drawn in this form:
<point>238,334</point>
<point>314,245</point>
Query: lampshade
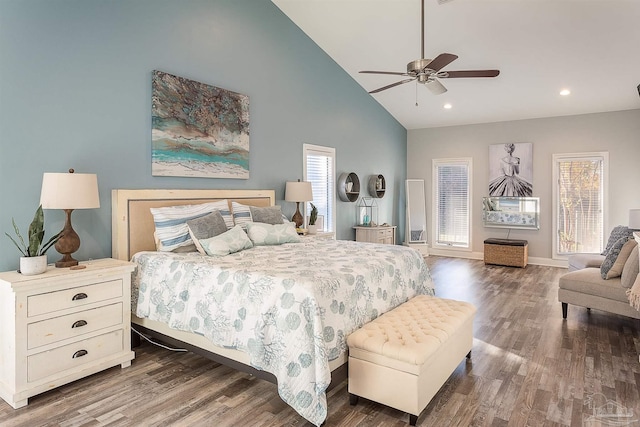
<point>69,191</point>
<point>634,219</point>
<point>299,191</point>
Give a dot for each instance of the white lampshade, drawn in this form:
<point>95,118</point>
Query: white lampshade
<point>299,191</point>
<point>69,191</point>
<point>634,219</point>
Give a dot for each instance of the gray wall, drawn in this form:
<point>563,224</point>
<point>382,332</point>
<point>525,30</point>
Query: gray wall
<point>617,133</point>
<point>75,91</point>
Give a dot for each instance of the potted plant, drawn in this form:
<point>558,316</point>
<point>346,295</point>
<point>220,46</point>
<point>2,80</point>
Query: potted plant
<point>34,258</point>
<point>312,228</point>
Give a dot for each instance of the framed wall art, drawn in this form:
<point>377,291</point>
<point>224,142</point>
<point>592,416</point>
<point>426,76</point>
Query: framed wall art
<point>511,169</point>
<point>198,130</point>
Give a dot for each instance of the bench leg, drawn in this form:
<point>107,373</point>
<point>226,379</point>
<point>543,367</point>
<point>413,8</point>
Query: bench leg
<point>564,310</point>
<point>469,355</point>
<point>413,419</point>
<point>353,399</point>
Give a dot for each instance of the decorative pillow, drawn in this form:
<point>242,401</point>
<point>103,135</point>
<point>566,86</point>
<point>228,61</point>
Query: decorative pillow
<point>618,232</point>
<point>241,214</point>
<point>262,234</point>
<point>631,269</point>
<point>269,215</point>
<point>206,227</point>
<point>234,240</point>
<point>623,256</point>
<point>612,255</point>
<point>172,231</point>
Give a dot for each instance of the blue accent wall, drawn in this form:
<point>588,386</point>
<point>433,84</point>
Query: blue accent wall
<point>75,92</point>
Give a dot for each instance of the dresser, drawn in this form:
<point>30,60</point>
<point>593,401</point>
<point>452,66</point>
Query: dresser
<point>380,234</point>
<point>63,325</point>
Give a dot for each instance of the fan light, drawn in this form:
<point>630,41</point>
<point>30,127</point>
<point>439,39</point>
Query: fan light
<point>565,92</point>
<point>447,106</point>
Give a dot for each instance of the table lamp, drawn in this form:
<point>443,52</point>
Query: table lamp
<point>297,192</point>
<point>634,219</point>
<point>69,191</point>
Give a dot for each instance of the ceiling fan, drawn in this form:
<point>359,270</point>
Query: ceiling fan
<point>428,71</point>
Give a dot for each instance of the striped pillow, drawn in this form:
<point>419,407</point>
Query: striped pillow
<point>172,231</point>
<point>241,214</point>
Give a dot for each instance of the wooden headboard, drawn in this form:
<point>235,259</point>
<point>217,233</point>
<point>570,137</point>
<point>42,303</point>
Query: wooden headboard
<point>133,227</point>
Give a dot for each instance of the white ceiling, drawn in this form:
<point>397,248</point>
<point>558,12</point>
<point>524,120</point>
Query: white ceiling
<point>591,47</point>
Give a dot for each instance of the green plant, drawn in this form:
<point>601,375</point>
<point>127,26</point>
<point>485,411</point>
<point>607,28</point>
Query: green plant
<point>36,235</point>
<point>314,214</point>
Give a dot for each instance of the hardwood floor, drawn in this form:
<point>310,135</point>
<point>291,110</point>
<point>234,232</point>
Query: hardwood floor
<point>529,367</point>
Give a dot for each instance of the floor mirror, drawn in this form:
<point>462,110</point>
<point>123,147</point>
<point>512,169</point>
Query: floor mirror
<point>416,209</point>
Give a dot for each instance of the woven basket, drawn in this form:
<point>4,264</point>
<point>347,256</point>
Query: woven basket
<point>505,254</point>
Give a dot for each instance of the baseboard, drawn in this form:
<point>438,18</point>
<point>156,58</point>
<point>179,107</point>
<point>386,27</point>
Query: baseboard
<point>453,253</point>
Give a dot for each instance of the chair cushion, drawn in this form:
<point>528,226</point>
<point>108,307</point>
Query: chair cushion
<point>580,261</point>
<point>611,256</point>
<point>623,256</point>
<point>617,232</point>
<point>631,269</point>
<point>588,281</point>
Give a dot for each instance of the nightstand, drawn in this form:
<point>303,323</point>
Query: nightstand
<point>380,234</point>
<point>63,325</point>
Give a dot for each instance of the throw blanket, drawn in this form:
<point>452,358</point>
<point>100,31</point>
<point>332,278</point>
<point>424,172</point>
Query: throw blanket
<point>634,294</point>
<point>290,307</point>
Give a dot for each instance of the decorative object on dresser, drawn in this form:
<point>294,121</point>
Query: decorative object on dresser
<point>367,212</point>
<point>313,217</point>
<point>63,325</point>
<point>34,258</point>
<point>198,130</point>
<point>69,191</point>
<point>508,252</point>
<point>385,234</point>
<point>377,186</point>
<point>348,187</point>
<point>297,192</point>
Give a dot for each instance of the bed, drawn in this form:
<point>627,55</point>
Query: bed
<point>277,312</point>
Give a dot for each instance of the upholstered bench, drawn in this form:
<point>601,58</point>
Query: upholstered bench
<point>402,358</point>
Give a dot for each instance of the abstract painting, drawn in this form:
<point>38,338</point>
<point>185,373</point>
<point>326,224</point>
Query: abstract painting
<point>198,130</point>
<point>511,169</point>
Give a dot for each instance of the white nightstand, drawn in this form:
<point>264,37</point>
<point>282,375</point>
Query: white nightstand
<point>380,234</point>
<point>63,325</point>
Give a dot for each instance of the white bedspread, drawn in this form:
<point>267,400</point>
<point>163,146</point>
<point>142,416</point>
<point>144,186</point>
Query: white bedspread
<point>290,307</point>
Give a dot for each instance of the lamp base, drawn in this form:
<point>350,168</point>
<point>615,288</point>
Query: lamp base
<point>66,261</point>
<point>297,217</point>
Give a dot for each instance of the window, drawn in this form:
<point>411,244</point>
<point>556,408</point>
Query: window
<point>319,169</point>
<point>451,193</point>
<point>579,198</point>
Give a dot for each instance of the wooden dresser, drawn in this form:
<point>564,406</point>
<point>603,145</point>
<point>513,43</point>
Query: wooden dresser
<point>380,234</point>
<point>62,325</point>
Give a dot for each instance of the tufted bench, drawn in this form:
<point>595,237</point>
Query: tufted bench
<point>402,358</point>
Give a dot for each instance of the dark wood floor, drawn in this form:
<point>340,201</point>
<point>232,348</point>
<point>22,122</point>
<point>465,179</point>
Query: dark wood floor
<point>529,367</point>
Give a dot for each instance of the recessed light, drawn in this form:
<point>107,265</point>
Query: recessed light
<point>565,92</point>
<point>447,106</point>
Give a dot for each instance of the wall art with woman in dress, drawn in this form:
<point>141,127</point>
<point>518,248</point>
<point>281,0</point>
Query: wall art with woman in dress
<point>511,169</point>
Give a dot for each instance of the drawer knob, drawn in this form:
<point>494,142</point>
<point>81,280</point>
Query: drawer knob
<point>79,324</point>
<point>79,353</point>
<point>81,295</point>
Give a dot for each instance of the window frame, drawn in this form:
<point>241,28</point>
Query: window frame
<point>331,186</point>
<point>556,159</point>
<point>435,163</point>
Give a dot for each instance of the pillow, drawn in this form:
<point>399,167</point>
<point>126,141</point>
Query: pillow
<point>270,215</point>
<point>617,233</point>
<point>241,214</point>
<point>623,256</point>
<point>611,256</point>
<point>262,234</point>
<point>206,227</point>
<point>172,231</point>
<point>234,240</point>
<point>631,269</point>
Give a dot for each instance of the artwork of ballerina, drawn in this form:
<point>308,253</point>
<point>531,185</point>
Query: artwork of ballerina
<point>511,175</point>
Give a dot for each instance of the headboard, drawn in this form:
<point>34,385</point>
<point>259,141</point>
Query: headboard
<point>133,227</point>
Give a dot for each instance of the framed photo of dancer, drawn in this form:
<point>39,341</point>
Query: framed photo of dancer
<point>511,169</point>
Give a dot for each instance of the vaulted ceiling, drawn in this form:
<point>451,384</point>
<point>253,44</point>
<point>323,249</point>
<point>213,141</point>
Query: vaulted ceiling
<point>590,47</point>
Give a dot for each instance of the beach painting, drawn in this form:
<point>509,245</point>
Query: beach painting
<point>198,130</point>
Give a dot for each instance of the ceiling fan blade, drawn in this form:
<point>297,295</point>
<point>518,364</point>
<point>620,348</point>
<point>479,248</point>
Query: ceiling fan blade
<point>392,85</point>
<point>393,73</point>
<point>441,61</point>
<point>435,87</point>
<point>470,73</point>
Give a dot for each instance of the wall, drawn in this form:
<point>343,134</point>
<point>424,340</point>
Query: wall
<point>75,91</point>
<point>616,132</point>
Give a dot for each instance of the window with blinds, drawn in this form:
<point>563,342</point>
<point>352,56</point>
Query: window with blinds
<point>451,192</point>
<point>579,200</point>
<point>319,169</point>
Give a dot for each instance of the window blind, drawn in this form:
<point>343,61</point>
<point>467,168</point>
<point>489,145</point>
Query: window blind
<point>319,170</point>
<point>452,203</point>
